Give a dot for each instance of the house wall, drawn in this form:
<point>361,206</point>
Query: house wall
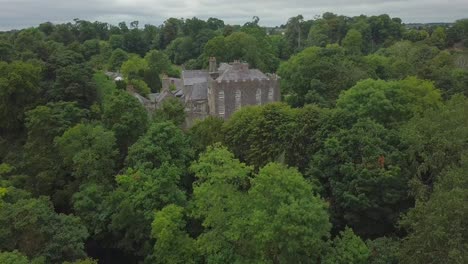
<point>248,89</point>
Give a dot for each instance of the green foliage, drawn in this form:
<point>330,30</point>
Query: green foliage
<point>348,248</point>
<point>289,223</point>
<point>134,67</point>
<point>117,58</point>
<point>172,110</point>
<point>83,261</point>
<point>91,205</point>
<point>384,250</point>
<point>173,244</point>
<point>74,83</point>
<point>257,134</point>
<point>89,151</point>
<point>140,87</point>
<point>439,222</point>
<point>258,230</point>
<point>139,194</point>
<point>383,147</point>
<point>163,142</point>
<point>13,257</point>
<point>310,76</point>
<point>436,140</point>
<point>181,49</point>
<point>126,117</point>
<point>368,192</point>
<point>158,62</point>
<point>206,133</point>
<point>19,87</point>
<point>42,160</point>
<point>104,86</point>
<point>34,229</point>
<point>256,50</point>
<point>389,103</point>
<point>353,42</point>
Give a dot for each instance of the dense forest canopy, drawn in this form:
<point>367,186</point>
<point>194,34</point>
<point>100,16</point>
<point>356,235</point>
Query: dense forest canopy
<point>365,160</point>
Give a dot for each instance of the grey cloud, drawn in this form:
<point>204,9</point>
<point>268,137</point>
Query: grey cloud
<point>24,13</point>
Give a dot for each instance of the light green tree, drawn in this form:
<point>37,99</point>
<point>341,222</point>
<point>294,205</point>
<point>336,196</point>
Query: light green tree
<point>348,248</point>
<point>173,245</point>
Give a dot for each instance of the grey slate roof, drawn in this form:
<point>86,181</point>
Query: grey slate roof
<point>153,97</point>
<point>237,74</point>
<point>192,77</point>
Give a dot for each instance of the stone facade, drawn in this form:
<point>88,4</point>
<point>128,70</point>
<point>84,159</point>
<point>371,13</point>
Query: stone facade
<point>220,91</point>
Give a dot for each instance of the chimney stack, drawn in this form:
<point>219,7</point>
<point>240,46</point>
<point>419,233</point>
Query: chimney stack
<point>166,82</point>
<point>213,67</point>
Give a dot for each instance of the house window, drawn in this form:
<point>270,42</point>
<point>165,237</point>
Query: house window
<point>270,94</point>
<point>258,96</point>
<point>221,109</point>
<point>238,99</point>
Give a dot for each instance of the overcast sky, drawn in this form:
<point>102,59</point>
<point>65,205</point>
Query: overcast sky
<point>25,13</point>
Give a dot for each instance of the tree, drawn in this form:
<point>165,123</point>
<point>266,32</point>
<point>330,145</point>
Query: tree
<point>60,58</point>
<point>42,160</point>
<point>116,41</point>
<point>117,58</point>
<point>217,201</point>
<point>91,48</point>
<point>140,193</point>
<point>288,222</point>
<point>348,248</point>
<point>89,151</point>
<point>13,257</point>
<point>439,221</point>
<point>19,87</point>
<point>7,51</point>
<point>134,42</point>
<point>170,31</point>
<point>245,219</point>
<point>439,38</point>
<point>158,62</point>
<point>295,34</point>
<point>257,134</point>
<point>91,204</point>
<point>390,103</point>
<point>173,244</point>
<point>384,250</point>
<point>164,142</point>
<point>126,117</point>
<point>34,229</point>
<point>436,140</point>
<point>312,74</point>
<point>353,42</point>
<point>303,139</point>
<point>360,169</point>
<point>206,133</point>
<point>172,110</point>
<point>74,83</point>
<point>134,67</point>
<point>181,50</point>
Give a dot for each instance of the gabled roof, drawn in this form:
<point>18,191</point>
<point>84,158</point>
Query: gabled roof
<point>192,77</point>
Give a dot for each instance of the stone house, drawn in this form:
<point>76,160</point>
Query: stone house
<point>220,91</point>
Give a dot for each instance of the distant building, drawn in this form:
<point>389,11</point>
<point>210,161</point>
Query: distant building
<point>218,91</point>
